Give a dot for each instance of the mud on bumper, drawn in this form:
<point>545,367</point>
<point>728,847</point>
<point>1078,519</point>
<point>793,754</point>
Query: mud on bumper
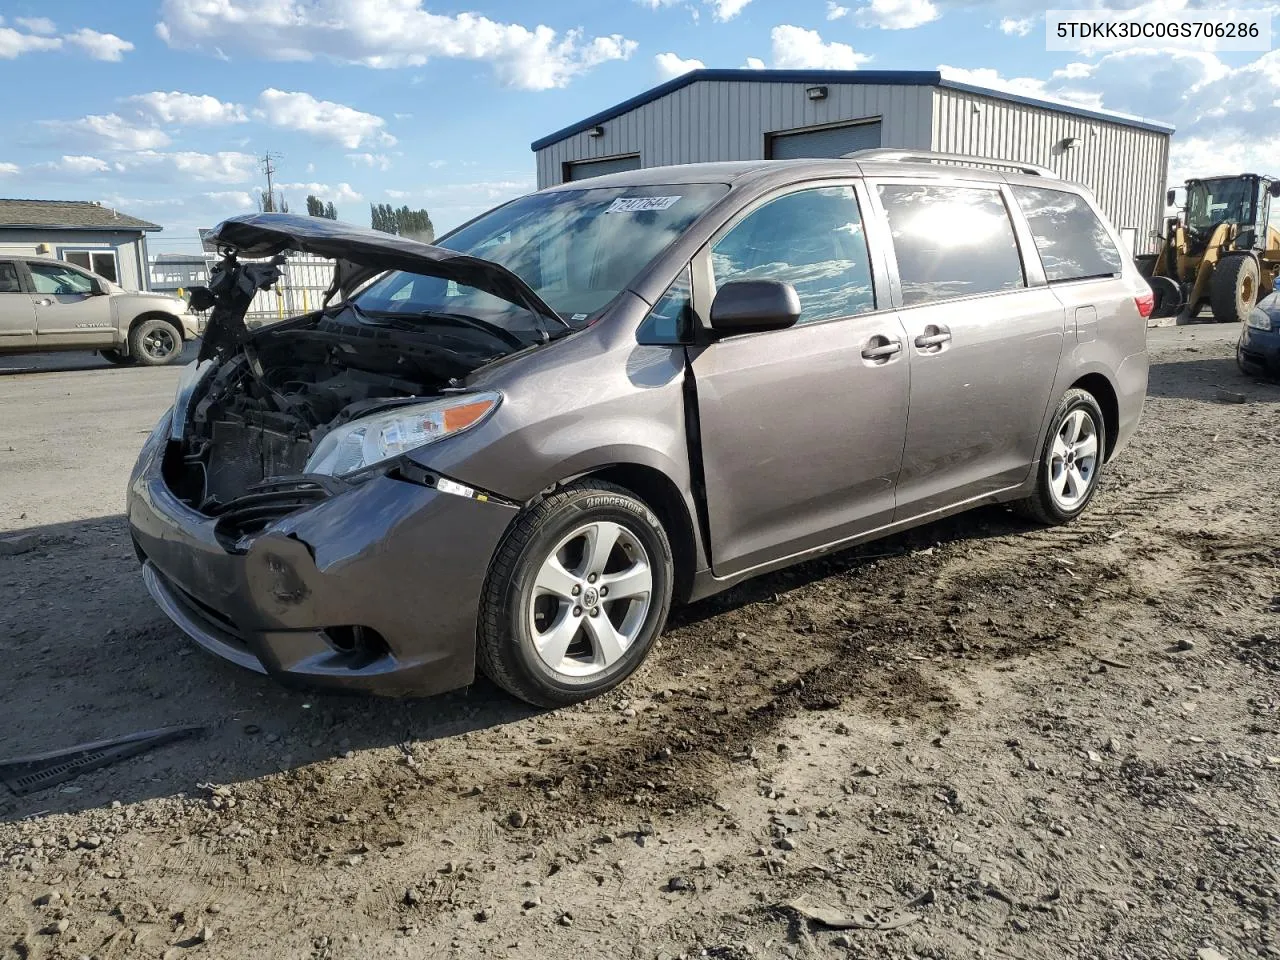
<point>375,589</point>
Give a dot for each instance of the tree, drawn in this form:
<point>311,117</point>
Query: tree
<point>330,211</point>
<point>272,203</point>
<point>315,206</point>
<point>415,224</point>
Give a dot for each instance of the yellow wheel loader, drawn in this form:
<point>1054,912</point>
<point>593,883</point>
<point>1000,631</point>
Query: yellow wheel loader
<point>1223,249</point>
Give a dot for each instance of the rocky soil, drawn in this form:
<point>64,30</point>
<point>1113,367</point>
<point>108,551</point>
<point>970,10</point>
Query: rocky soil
<point>980,739</point>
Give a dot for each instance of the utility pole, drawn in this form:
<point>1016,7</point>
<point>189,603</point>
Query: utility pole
<point>268,167</point>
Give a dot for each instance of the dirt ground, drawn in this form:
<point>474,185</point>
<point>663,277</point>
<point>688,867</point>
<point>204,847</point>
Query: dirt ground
<point>981,739</point>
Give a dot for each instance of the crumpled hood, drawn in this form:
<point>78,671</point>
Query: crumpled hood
<point>362,254</point>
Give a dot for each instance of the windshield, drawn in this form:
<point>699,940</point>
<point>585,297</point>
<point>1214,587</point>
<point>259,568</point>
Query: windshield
<point>577,248</point>
<point>1213,202</point>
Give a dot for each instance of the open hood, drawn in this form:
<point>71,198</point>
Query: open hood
<point>358,255</point>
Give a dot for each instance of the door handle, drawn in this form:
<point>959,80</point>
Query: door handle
<point>45,302</point>
<point>880,349</point>
<point>933,337</point>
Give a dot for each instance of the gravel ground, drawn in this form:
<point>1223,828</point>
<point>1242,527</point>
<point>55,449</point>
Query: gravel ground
<point>979,739</point>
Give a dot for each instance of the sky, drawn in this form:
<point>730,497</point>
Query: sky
<point>162,108</point>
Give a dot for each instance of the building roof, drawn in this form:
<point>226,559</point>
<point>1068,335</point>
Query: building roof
<point>68,215</point>
<point>910,78</point>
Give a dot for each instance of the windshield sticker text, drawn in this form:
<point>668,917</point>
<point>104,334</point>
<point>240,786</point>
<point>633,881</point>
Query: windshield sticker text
<point>640,204</point>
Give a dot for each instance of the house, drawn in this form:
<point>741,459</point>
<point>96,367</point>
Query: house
<point>88,234</point>
<point>780,114</point>
<point>171,272</point>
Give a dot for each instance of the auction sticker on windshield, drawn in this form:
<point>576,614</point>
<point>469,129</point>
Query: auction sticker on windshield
<point>640,204</point>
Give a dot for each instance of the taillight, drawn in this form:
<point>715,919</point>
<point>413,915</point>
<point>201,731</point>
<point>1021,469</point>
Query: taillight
<point>1145,302</point>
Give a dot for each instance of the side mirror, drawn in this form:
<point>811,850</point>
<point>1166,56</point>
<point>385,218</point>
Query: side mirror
<point>1274,188</point>
<point>753,306</point>
<point>1169,197</point>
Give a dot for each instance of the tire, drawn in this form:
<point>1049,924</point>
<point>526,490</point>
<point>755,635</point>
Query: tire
<point>155,342</point>
<point>1233,288</point>
<point>1052,502</point>
<point>116,357</point>
<point>530,612</point>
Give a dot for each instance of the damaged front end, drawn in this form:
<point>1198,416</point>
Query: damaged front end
<point>272,420</point>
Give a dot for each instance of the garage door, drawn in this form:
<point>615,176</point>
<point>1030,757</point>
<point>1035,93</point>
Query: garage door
<point>585,169</point>
<point>825,142</point>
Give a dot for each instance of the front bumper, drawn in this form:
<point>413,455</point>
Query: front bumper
<point>1259,352</point>
<point>389,556</point>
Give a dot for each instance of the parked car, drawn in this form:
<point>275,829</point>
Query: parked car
<point>50,304</point>
<point>517,448</point>
<point>1258,352</point>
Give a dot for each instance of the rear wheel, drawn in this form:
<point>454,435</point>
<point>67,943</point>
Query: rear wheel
<point>576,595</point>
<point>116,357</point>
<point>155,342</point>
<point>1233,288</point>
<point>1070,462</point>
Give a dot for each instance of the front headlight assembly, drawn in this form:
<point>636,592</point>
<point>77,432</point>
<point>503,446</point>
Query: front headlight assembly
<point>374,439</point>
<point>1259,319</point>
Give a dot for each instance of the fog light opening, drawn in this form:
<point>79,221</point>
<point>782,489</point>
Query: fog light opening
<point>362,644</point>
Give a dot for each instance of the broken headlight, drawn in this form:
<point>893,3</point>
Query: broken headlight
<point>383,436</point>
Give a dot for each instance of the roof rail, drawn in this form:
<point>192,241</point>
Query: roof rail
<point>890,153</point>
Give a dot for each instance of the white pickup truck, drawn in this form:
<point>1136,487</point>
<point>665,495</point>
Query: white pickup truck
<point>49,304</point>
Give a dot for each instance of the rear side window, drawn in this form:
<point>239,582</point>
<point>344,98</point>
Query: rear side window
<point>812,240</point>
<point>950,241</point>
<point>9,277</point>
<point>1072,241</point>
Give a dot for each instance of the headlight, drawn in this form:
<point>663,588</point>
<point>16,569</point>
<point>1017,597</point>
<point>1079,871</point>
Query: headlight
<point>384,436</point>
<point>192,374</point>
<point>1259,319</point>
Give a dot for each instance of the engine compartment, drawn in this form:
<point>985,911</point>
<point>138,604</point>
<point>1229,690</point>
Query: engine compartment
<point>256,419</point>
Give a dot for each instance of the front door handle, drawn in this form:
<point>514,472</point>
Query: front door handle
<point>933,338</point>
<point>45,302</point>
<point>880,349</point>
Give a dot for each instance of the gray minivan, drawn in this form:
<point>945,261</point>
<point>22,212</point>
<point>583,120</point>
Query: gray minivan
<point>518,447</point>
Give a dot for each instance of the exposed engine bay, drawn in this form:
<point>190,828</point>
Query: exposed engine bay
<point>263,400</point>
<point>265,407</point>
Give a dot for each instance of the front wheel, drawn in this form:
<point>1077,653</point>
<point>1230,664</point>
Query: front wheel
<point>1233,288</point>
<point>155,342</point>
<point>1070,462</point>
<point>577,593</point>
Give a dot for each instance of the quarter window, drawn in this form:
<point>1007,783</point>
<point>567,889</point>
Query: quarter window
<point>668,321</point>
<point>1072,241</point>
<point>814,241</point>
<point>58,280</point>
<point>951,241</point>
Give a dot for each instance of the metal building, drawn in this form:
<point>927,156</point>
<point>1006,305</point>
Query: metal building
<point>776,114</point>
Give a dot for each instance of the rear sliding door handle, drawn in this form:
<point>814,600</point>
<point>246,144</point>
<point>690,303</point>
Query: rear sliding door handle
<point>880,349</point>
<point>933,338</point>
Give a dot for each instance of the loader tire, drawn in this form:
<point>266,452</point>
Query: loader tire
<point>1233,288</point>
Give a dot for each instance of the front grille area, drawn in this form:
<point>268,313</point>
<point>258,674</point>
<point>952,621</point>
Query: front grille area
<point>263,505</point>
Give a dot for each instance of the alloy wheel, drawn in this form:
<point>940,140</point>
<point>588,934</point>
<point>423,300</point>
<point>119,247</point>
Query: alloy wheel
<point>590,599</point>
<point>158,344</point>
<point>1073,460</point>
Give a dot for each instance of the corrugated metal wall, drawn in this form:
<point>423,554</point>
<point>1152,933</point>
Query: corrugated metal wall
<point>1126,167</point>
<point>719,120</point>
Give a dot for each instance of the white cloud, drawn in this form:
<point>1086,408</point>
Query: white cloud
<point>398,194</point>
<point>41,25</point>
<point>100,46</point>
<point>14,44</point>
<point>384,34</point>
<point>322,118</point>
<point>187,108</point>
<point>835,11</point>
<point>9,170</point>
<point>1017,27</point>
<point>896,14</point>
<point>109,131</point>
<point>379,161</point>
<point>754,63</point>
<point>222,167</point>
<point>797,48</point>
<point>342,192</point>
<point>725,10</point>
<point>236,199</point>
<point>1022,86</point>
<point>671,65</point>
<point>75,165</point>
<point>1220,156</point>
